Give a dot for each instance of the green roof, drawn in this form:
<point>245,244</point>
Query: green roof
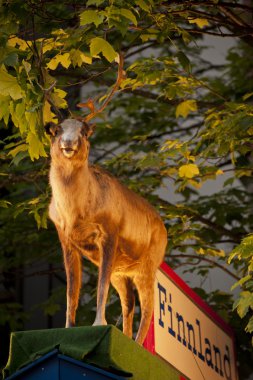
<point>102,346</point>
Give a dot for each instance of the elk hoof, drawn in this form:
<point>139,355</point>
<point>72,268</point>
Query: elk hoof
<point>69,325</point>
<point>100,322</point>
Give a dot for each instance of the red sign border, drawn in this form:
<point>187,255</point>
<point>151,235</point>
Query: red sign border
<point>149,342</point>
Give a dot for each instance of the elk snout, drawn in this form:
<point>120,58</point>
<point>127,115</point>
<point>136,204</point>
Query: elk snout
<point>68,147</point>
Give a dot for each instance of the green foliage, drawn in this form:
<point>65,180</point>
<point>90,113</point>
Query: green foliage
<point>9,85</point>
<point>177,123</point>
<point>99,45</point>
<point>244,303</point>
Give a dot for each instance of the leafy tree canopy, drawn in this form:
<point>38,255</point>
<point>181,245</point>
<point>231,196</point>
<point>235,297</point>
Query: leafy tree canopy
<point>173,120</point>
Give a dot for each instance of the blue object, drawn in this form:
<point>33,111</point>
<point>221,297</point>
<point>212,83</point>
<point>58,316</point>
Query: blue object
<point>54,366</point>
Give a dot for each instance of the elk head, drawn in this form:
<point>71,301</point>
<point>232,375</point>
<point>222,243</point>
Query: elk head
<point>69,140</point>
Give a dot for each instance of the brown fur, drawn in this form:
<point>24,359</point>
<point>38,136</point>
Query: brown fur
<point>96,216</point>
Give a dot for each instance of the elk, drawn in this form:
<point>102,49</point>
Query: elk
<point>98,217</point>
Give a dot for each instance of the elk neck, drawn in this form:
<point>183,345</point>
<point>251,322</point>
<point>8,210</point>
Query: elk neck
<point>71,187</point>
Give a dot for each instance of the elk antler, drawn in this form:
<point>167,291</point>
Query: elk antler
<point>90,103</point>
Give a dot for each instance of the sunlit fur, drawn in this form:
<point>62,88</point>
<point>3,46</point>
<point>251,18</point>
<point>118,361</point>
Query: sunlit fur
<point>96,216</point>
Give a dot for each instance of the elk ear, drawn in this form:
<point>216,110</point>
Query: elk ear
<point>88,129</point>
<point>51,129</point>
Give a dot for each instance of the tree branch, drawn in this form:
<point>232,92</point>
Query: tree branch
<point>173,102</point>
<point>214,263</point>
<point>234,18</point>
<point>236,237</point>
<point>94,111</point>
<point>206,4</point>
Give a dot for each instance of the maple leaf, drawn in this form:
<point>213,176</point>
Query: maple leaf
<point>188,170</point>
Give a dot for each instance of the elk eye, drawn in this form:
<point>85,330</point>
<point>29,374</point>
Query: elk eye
<point>57,130</point>
<point>84,132</point>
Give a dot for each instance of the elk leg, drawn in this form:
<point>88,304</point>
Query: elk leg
<point>72,261</point>
<point>104,277</point>
<point>145,288</point>
<point>124,287</point>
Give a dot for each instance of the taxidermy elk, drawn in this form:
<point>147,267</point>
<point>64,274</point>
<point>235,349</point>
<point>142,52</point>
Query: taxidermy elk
<point>99,218</point>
